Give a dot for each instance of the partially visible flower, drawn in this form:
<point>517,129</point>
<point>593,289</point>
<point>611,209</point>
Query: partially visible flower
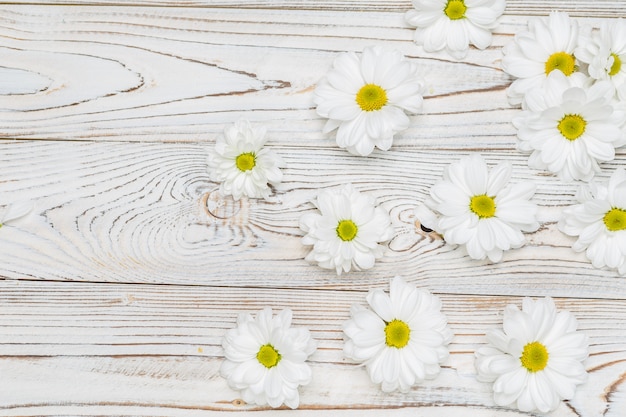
<point>537,360</point>
<point>548,45</point>
<point>16,211</point>
<point>265,358</point>
<point>478,208</point>
<point>348,230</point>
<point>365,98</point>
<point>454,24</point>
<point>599,221</point>
<point>242,165</point>
<point>402,340</point>
<point>569,127</point>
<point>605,52</point>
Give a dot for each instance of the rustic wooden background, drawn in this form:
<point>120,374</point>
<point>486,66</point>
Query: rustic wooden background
<point>116,291</point>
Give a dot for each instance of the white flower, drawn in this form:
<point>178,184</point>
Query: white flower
<point>599,221</point>
<point>265,358</point>
<point>570,127</point>
<point>477,208</point>
<point>365,98</point>
<point>548,45</point>
<point>454,24</point>
<point>347,231</point>
<point>537,360</point>
<point>605,52</point>
<point>403,340</point>
<point>16,211</point>
<point>241,163</point>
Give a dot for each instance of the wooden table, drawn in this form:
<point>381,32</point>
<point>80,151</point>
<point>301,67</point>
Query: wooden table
<point>116,291</point>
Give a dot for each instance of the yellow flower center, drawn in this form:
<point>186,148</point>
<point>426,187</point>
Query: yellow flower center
<point>617,65</point>
<point>246,161</point>
<point>397,334</point>
<point>371,97</point>
<point>347,230</point>
<point>455,9</point>
<point>615,220</point>
<point>572,126</point>
<point>268,356</point>
<point>483,206</point>
<point>534,357</point>
<point>562,61</point>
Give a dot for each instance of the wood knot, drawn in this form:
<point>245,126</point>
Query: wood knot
<point>219,206</point>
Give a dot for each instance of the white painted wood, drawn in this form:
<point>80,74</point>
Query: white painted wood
<point>116,290</point>
<point>109,345</point>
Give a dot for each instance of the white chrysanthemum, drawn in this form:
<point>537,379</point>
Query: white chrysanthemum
<point>265,358</point>
<point>599,221</point>
<point>365,98</point>
<point>548,45</point>
<point>242,165</point>
<point>348,230</point>
<point>569,127</point>
<point>478,208</point>
<point>16,211</point>
<point>605,52</point>
<point>403,340</point>
<point>454,24</point>
<point>537,360</point>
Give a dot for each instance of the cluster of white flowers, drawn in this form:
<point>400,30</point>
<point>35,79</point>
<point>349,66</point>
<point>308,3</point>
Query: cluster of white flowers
<point>571,86</point>
<point>568,82</point>
<point>402,340</point>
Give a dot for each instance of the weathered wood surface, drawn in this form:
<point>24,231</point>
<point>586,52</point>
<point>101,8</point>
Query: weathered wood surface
<point>116,291</point>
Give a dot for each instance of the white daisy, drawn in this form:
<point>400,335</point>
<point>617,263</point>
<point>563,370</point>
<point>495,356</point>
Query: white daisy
<point>348,230</point>
<point>16,211</point>
<point>403,340</point>
<point>366,97</point>
<point>548,45</point>
<point>475,207</point>
<point>454,24</point>
<point>265,358</point>
<point>537,360</point>
<point>569,127</point>
<point>599,221</point>
<point>605,52</point>
<point>242,165</point>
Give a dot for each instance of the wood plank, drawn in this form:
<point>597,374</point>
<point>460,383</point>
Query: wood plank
<point>182,74</point>
<point>141,213</point>
<point>106,349</point>
<point>589,8</point>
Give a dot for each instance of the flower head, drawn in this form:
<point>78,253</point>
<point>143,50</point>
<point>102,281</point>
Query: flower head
<point>569,127</point>
<point>347,231</point>
<point>605,52</point>
<point>537,360</point>
<point>454,24</point>
<point>402,340</point>
<point>478,208</point>
<point>241,163</point>
<point>365,98</point>
<point>548,45</point>
<point>265,358</point>
<point>599,221</point>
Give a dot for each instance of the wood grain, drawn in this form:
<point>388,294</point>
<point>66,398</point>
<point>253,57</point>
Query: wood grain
<point>118,348</point>
<point>181,74</point>
<point>131,212</point>
<point>116,290</point>
<point>595,8</point>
